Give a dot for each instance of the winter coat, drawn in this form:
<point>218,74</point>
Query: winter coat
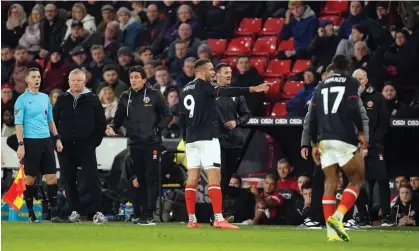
<point>129,35</point>
<point>172,33</point>
<point>323,49</point>
<point>31,38</point>
<point>298,105</point>
<point>89,25</point>
<point>55,76</point>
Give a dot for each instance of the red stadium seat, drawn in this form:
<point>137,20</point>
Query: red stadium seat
<point>265,46</point>
<point>232,61</point>
<point>259,63</point>
<point>274,92</point>
<point>279,110</point>
<point>301,65</point>
<point>336,20</point>
<point>239,45</point>
<point>291,88</point>
<point>335,7</point>
<point>278,68</point>
<point>273,26</point>
<point>249,26</point>
<point>218,46</point>
<point>286,45</point>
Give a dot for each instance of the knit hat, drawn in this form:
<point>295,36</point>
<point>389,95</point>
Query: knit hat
<point>125,51</point>
<point>325,22</point>
<point>107,7</point>
<point>56,49</point>
<point>7,86</point>
<point>123,9</point>
<point>77,50</point>
<point>76,23</point>
<point>204,48</point>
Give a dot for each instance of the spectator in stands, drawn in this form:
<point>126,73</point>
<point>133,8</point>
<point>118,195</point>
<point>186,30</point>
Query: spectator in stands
<point>55,74</point>
<point>75,39</point>
<point>285,181</point>
<point>7,61</point>
<point>130,29</point>
<point>13,29</point>
<point>393,102</point>
<point>18,71</point>
<point>8,123</point>
<point>154,27</point>
<point>52,30</point>
<point>108,13</point>
<point>163,80</point>
<point>218,21</point>
<point>383,18</point>
<point>301,23</point>
<point>99,61</point>
<point>171,95</point>
<point>414,182</point>
<point>125,61</point>
<point>357,16</point>
<point>111,80</point>
<point>185,36</point>
<point>79,14</point>
<point>188,73</point>
<point>109,103</point>
<point>32,36</point>
<point>107,38</point>
<point>139,11</point>
<point>346,46</point>
<point>248,76</point>
<point>236,181</point>
<point>169,10</point>
<point>204,52</point>
<point>400,59</point>
<point>300,206</point>
<point>323,46</point>
<point>298,105</point>
<point>399,181</point>
<point>302,179</point>
<point>361,56</point>
<point>176,63</point>
<point>53,95</point>
<point>150,70</point>
<point>405,211</point>
<point>79,58</point>
<point>144,54</point>
<point>268,202</point>
<point>185,15</point>
<point>7,97</point>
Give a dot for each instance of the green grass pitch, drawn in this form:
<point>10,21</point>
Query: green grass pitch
<point>170,237</point>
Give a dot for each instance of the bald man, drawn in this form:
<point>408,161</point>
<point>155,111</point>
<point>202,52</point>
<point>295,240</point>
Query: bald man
<point>375,166</point>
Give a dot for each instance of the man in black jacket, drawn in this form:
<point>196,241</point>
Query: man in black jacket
<point>375,166</point>
<point>81,123</point>
<point>144,113</point>
<point>232,113</point>
<point>52,30</point>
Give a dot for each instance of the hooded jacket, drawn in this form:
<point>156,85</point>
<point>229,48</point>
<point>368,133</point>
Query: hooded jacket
<point>129,35</point>
<point>411,209</point>
<point>80,119</point>
<point>89,25</point>
<point>144,114</point>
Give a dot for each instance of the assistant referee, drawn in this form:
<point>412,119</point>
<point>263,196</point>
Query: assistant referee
<point>34,126</point>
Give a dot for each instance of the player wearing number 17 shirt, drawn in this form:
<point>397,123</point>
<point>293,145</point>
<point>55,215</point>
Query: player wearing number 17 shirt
<point>334,113</point>
<point>198,121</point>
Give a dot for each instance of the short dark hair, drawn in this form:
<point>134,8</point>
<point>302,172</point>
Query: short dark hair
<point>341,63</point>
<point>5,46</point>
<point>161,68</point>
<point>20,48</point>
<point>220,66</point>
<point>307,185</point>
<point>242,56</point>
<point>169,90</point>
<point>138,69</point>
<point>201,62</point>
<point>237,177</point>
<point>361,28</point>
<point>31,70</point>
<point>96,47</point>
<point>144,49</point>
<point>406,186</point>
<point>110,67</point>
<point>270,176</point>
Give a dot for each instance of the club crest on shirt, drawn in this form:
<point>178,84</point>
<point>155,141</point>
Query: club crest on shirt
<point>146,100</point>
<point>370,104</point>
<point>17,111</point>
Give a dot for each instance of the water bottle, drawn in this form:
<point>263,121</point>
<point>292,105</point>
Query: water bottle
<point>121,212</point>
<point>129,210</point>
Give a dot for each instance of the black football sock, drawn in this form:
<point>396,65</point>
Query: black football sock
<point>28,193</point>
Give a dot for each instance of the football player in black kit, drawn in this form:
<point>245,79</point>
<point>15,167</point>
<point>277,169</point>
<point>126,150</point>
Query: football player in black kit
<point>335,111</point>
<point>198,120</point>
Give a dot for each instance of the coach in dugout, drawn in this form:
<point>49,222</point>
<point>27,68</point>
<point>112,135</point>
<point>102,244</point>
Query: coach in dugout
<point>144,113</point>
<point>81,123</point>
<point>232,113</point>
<point>375,166</point>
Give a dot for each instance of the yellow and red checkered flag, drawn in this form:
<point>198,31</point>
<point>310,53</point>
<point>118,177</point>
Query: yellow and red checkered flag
<point>14,197</point>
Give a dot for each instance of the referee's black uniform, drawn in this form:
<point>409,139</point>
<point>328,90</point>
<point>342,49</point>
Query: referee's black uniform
<point>231,141</point>
<point>144,113</point>
<point>81,124</point>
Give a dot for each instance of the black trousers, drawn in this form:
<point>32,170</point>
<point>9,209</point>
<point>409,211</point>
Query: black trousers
<point>229,160</point>
<point>82,155</point>
<point>145,164</point>
<point>316,212</point>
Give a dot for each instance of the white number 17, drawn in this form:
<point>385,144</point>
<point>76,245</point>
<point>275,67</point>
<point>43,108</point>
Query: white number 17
<point>325,92</point>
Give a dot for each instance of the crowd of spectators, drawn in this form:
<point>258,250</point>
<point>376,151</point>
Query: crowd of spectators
<point>105,39</point>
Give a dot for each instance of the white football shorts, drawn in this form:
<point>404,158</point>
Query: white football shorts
<point>203,154</point>
<point>335,152</point>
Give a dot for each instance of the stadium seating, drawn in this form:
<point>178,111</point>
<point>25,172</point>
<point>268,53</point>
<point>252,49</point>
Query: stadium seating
<point>265,46</point>
<point>239,45</point>
<point>249,26</point>
<point>278,68</point>
<point>274,92</point>
<point>286,45</point>
<point>272,26</point>
<point>259,63</point>
<point>336,20</point>
<point>218,46</point>
<point>300,66</point>
<point>291,88</point>
<point>279,110</point>
<point>334,7</point>
<point>232,61</point>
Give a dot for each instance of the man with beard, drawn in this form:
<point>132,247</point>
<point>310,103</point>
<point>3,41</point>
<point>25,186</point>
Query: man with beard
<point>8,125</point>
<point>111,79</point>
<point>125,61</point>
<point>75,39</point>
